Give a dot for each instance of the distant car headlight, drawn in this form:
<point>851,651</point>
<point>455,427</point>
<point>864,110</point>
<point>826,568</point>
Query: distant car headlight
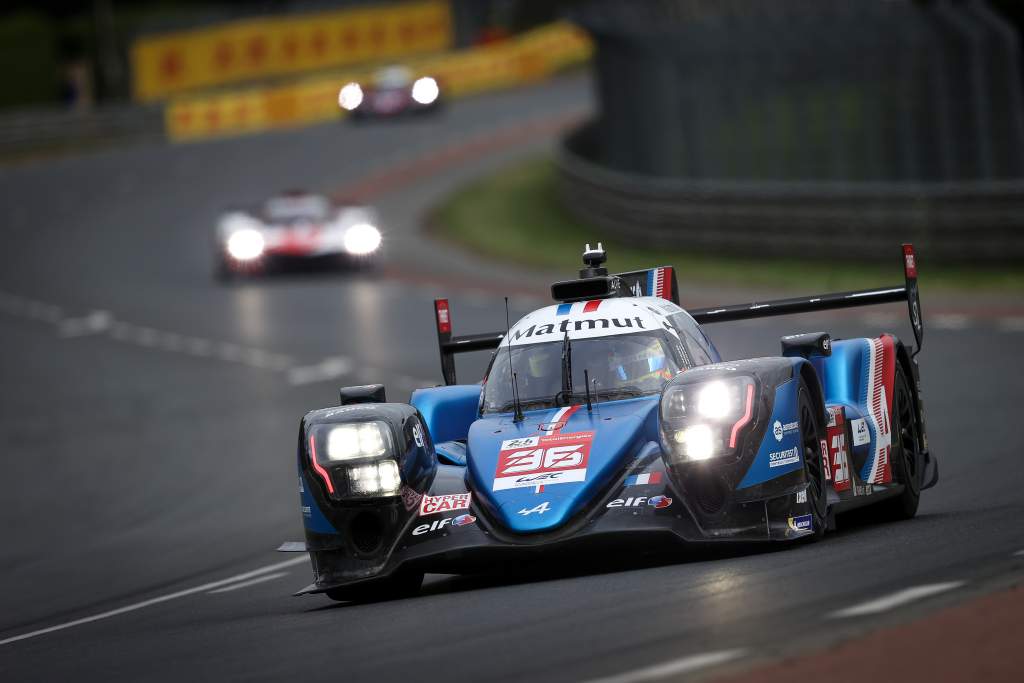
<point>702,420</point>
<point>425,90</point>
<point>362,239</point>
<point>245,244</point>
<point>350,96</point>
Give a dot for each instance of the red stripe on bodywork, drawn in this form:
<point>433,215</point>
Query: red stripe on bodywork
<point>316,466</point>
<point>591,306</point>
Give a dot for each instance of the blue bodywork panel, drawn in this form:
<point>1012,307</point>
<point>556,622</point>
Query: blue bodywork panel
<point>780,451</point>
<point>620,430</point>
<point>448,411</point>
<point>312,516</point>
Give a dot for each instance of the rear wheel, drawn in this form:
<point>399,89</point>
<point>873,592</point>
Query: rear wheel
<point>906,456</point>
<point>812,432</point>
<point>400,585</point>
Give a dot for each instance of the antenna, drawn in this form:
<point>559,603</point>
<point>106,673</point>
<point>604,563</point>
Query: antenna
<point>517,415</point>
<point>586,383</point>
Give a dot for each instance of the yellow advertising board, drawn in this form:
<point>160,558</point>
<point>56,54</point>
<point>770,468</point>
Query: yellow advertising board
<point>527,58</point>
<point>257,48</point>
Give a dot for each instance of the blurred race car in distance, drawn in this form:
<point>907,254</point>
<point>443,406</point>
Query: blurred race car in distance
<point>296,229</point>
<point>392,91</point>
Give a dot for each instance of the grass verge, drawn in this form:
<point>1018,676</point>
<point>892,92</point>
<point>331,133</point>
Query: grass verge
<point>515,216</point>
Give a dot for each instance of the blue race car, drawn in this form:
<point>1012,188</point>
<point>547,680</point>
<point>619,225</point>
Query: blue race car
<point>610,418</point>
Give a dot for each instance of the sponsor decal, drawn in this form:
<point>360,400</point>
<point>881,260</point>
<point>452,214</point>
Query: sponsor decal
<point>801,496</point>
<point>307,511</point>
<point>826,344</point>
<point>539,509</point>
<point>786,457</point>
<point>430,505</point>
<point>410,498</point>
<point>438,524</point>
<point>801,523</point>
<point>417,435</point>
<point>780,430</point>
<point>613,324</point>
<point>837,449</point>
<point>861,435</point>
<point>522,442</point>
<point>656,502</point>
<point>644,479</point>
<point>827,469</point>
<point>552,459</point>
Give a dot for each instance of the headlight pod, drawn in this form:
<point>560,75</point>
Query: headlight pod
<point>357,440</point>
<point>362,454</point>
<point>704,420</point>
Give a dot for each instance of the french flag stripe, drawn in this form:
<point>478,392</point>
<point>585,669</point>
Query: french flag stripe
<point>563,309</point>
<point>643,479</point>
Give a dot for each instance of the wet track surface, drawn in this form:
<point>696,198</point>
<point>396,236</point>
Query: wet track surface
<point>148,417</point>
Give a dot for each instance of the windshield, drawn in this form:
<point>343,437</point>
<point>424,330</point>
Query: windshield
<point>619,366</point>
<point>303,208</point>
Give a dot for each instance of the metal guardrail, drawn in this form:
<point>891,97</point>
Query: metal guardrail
<point>952,222</point>
<point>30,130</point>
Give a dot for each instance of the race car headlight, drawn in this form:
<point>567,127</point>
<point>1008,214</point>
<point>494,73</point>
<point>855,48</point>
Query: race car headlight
<point>706,419</point>
<point>375,479</point>
<point>350,96</point>
<point>362,239</point>
<point>359,453</point>
<point>425,90</point>
<point>357,440</point>
<point>245,244</point>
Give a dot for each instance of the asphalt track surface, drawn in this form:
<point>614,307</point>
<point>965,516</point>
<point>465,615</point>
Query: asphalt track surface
<point>148,417</point>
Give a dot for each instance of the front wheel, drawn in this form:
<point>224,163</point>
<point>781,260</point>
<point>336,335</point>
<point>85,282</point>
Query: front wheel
<point>812,435</point>
<point>399,585</point>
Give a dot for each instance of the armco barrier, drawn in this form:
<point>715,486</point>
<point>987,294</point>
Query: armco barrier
<point>250,49</point>
<point>524,59</point>
<point>951,222</point>
<point>34,130</point>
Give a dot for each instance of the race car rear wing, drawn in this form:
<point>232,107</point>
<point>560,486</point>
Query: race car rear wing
<point>661,282</point>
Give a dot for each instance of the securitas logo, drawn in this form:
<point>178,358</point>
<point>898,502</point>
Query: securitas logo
<point>786,457</point>
<point>656,502</point>
<point>438,524</point>
<point>578,326</point>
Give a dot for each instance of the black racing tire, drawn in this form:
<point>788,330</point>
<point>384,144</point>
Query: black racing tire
<point>402,584</point>
<point>812,433</point>
<point>906,455</point>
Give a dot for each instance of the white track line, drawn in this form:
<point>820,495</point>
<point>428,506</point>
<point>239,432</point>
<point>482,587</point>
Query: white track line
<point>673,667</point>
<point>327,369</point>
<point>250,582</point>
<point>896,599</point>
<point>155,601</point>
<point>1011,324</point>
<point>949,321</point>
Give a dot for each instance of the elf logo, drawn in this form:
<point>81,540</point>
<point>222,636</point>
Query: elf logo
<point>656,502</point>
<point>437,524</point>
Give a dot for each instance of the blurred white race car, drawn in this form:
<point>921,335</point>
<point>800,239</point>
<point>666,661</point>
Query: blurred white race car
<point>296,230</point>
<point>392,91</point>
